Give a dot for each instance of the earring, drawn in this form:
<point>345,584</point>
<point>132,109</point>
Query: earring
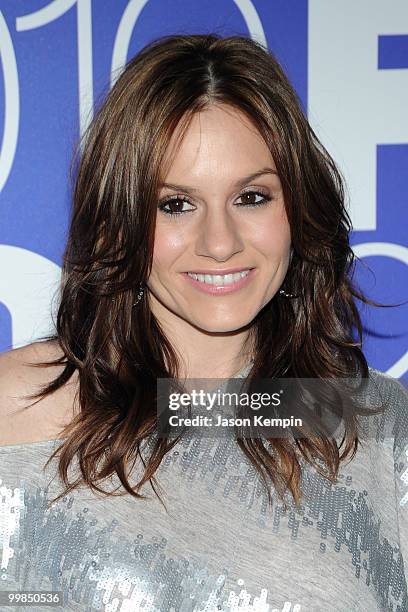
<point>139,295</point>
<point>282,291</point>
<point>287,295</point>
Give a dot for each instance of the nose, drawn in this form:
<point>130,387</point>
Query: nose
<point>219,236</point>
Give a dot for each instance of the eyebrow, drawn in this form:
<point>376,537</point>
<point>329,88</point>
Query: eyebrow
<point>240,183</point>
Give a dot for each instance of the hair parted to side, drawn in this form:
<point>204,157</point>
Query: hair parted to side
<point>120,351</point>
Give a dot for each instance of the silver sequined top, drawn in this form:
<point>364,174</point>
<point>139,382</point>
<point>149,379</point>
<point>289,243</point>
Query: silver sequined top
<point>218,545</point>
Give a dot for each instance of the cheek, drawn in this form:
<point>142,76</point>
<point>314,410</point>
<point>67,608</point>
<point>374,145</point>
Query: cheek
<point>272,236</point>
<point>169,244</point>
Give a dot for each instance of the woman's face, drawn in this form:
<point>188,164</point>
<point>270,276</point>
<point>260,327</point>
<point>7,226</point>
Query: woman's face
<point>215,229</point>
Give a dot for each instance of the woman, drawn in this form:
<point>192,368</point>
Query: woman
<point>209,239</point>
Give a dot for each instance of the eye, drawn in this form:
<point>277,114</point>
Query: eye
<point>177,202</point>
<point>248,198</point>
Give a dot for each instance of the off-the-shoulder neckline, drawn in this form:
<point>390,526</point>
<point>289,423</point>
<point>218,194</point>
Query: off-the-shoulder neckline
<point>56,440</point>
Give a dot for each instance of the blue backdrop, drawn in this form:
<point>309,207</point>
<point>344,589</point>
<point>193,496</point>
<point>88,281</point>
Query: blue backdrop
<point>348,62</point>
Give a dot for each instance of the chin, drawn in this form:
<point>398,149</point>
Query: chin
<point>221,326</point>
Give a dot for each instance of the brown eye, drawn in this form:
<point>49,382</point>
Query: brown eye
<point>175,206</point>
<point>249,198</point>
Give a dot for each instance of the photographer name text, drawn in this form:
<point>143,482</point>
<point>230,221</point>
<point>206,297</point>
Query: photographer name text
<point>221,421</point>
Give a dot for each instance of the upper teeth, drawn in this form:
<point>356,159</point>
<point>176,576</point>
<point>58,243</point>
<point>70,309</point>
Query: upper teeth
<point>217,279</point>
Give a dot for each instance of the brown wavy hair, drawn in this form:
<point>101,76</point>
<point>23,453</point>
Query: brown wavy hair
<point>120,351</point>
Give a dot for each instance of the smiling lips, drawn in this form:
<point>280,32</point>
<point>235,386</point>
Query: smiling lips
<point>220,283</point>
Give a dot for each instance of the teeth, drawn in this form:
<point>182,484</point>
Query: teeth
<point>218,279</point>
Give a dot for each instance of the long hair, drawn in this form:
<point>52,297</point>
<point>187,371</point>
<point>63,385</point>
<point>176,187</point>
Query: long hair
<point>120,351</point>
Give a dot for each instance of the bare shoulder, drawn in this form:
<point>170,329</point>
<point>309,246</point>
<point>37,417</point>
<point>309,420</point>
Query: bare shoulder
<point>18,380</point>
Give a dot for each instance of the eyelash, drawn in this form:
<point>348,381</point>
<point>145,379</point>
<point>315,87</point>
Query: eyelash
<point>266,199</point>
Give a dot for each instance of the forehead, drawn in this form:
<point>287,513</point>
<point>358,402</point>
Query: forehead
<point>219,138</point>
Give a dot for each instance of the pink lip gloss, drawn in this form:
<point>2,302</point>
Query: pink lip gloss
<point>221,289</point>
